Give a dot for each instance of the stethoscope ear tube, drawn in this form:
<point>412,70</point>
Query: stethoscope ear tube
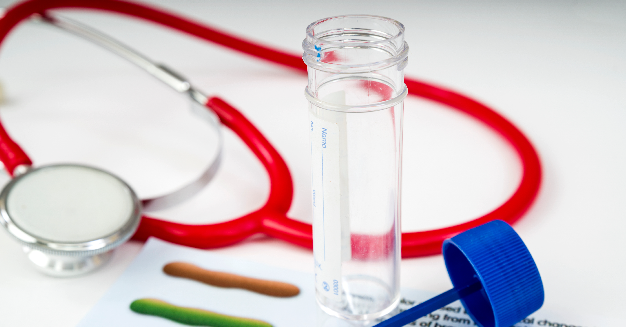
<point>271,218</point>
<point>429,242</point>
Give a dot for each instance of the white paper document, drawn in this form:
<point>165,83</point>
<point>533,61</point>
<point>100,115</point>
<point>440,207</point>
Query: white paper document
<point>146,279</point>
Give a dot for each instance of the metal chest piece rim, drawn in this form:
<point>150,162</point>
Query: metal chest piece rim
<point>69,218</point>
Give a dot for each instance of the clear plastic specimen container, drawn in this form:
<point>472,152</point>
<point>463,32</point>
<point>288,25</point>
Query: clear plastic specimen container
<point>356,92</point>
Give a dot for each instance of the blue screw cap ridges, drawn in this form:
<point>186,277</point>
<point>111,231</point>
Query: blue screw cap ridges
<point>496,256</point>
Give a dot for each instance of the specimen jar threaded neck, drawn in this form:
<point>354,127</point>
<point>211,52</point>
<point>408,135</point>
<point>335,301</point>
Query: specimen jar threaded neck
<point>354,44</point>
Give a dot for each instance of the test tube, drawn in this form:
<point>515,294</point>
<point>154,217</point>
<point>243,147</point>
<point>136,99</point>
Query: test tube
<point>356,92</point>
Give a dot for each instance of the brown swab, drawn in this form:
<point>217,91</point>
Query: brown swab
<point>229,280</point>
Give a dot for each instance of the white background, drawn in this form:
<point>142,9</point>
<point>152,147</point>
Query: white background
<point>556,69</point>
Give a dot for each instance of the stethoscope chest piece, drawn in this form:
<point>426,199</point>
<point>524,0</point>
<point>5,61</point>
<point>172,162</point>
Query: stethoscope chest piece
<point>69,217</point>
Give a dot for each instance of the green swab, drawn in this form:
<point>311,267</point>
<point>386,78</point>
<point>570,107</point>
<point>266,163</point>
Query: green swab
<point>192,316</point>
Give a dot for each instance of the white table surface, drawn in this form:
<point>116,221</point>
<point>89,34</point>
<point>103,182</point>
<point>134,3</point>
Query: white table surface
<point>556,69</point>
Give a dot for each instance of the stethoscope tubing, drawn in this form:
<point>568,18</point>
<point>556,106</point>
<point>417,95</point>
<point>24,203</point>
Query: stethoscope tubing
<point>271,219</point>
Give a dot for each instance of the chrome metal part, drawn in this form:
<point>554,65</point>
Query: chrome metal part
<point>174,81</point>
<point>65,266</point>
<point>171,78</point>
<point>21,169</point>
<point>69,217</point>
<point>189,190</point>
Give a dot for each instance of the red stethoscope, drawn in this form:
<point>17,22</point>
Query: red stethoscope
<point>271,219</point>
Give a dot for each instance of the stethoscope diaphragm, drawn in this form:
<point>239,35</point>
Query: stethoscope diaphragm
<point>69,217</point>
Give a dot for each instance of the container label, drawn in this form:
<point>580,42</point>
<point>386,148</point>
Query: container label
<point>326,191</point>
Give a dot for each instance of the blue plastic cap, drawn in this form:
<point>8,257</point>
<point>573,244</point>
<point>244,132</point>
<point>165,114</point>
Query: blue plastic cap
<point>495,255</point>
